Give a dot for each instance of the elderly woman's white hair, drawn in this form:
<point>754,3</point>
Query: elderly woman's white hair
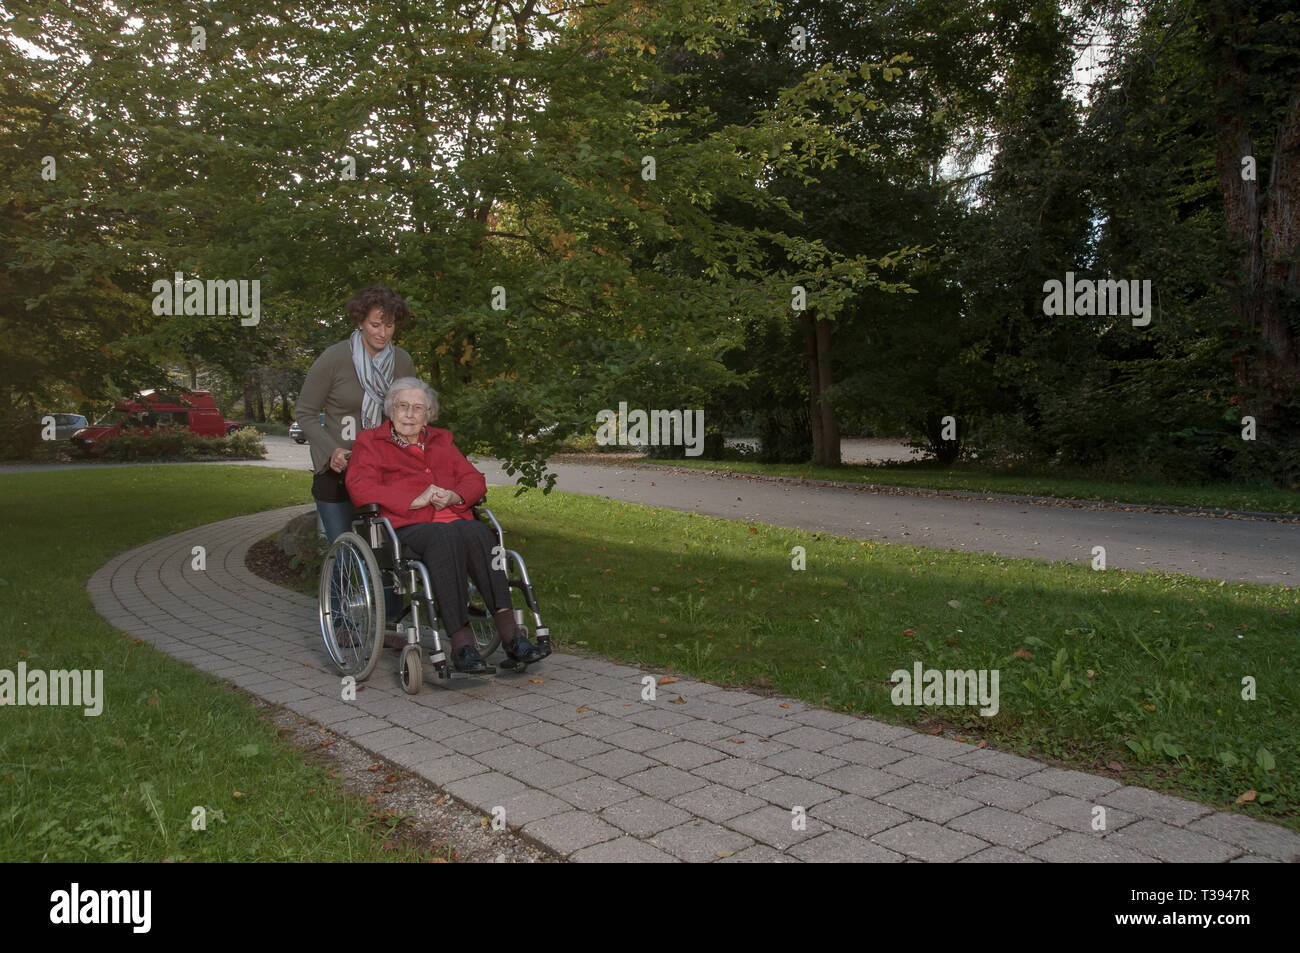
<point>411,383</point>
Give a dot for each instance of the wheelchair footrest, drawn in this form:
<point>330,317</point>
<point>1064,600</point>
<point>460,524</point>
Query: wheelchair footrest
<point>490,670</point>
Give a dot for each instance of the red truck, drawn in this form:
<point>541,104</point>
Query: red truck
<point>192,409</point>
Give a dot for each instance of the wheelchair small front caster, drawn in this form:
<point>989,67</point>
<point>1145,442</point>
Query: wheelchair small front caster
<point>412,670</point>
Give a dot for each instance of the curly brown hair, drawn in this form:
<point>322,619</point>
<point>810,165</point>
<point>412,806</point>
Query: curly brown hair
<point>388,301</point>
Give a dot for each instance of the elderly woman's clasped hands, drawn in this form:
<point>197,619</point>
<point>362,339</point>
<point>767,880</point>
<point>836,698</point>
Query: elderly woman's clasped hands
<point>436,497</point>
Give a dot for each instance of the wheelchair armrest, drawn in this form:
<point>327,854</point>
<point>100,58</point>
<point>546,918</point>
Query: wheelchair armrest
<point>369,509</point>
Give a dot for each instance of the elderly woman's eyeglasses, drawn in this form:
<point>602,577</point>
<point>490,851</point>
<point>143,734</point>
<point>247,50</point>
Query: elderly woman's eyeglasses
<point>405,408</point>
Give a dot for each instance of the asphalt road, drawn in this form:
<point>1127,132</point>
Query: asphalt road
<point>1238,550</point>
<point>1241,550</point>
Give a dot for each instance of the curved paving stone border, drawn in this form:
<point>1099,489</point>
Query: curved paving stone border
<point>715,778</point>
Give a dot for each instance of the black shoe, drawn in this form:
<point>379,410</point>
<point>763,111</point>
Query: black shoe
<point>523,652</point>
<point>468,660</point>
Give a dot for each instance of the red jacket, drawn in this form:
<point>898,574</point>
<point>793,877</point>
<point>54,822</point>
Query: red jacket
<point>382,472</point>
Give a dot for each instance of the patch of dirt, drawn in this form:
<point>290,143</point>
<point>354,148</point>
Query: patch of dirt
<point>425,818</point>
<point>611,458</point>
<point>265,559</point>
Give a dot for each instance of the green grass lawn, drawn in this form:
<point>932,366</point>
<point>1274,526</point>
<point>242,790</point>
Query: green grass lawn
<point>1257,498</point>
<point>122,786</point>
<point>1095,667</point>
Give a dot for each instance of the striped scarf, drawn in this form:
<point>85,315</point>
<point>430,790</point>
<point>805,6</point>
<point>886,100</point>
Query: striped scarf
<point>376,376</point>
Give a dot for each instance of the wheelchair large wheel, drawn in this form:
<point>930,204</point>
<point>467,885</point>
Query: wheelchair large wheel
<point>352,606</point>
<point>486,638</point>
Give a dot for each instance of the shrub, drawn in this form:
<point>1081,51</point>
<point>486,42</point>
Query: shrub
<point>176,444</point>
<point>246,443</point>
<point>784,434</point>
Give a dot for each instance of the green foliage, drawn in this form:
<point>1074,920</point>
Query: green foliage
<point>317,158</point>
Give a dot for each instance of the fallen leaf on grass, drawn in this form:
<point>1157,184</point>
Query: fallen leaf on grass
<point>375,767</point>
<point>1248,796</point>
<point>385,790</point>
<point>1115,766</point>
<point>390,778</point>
<point>371,799</point>
<point>1024,653</point>
<point>241,793</point>
<point>909,631</point>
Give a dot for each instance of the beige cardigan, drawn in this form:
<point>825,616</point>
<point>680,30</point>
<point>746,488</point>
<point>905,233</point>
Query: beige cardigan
<point>332,387</point>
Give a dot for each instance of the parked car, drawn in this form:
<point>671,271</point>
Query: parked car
<point>296,432</point>
<point>65,425</point>
<point>194,410</point>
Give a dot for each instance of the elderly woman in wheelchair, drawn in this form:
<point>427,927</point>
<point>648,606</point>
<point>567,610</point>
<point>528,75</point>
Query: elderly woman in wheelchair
<point>418,526</point>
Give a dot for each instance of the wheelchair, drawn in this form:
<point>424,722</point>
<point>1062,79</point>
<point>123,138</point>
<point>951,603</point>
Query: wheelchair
<point>352,603</point>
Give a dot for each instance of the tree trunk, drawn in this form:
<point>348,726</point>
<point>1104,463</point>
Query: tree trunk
<point>250,392</point>
<point>825,429</point>
<point>830,456</point>
<point>809,324</point>
<point>1267,358</point>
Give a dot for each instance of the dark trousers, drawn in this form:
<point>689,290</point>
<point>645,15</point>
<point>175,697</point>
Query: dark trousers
<point>451,551</point>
